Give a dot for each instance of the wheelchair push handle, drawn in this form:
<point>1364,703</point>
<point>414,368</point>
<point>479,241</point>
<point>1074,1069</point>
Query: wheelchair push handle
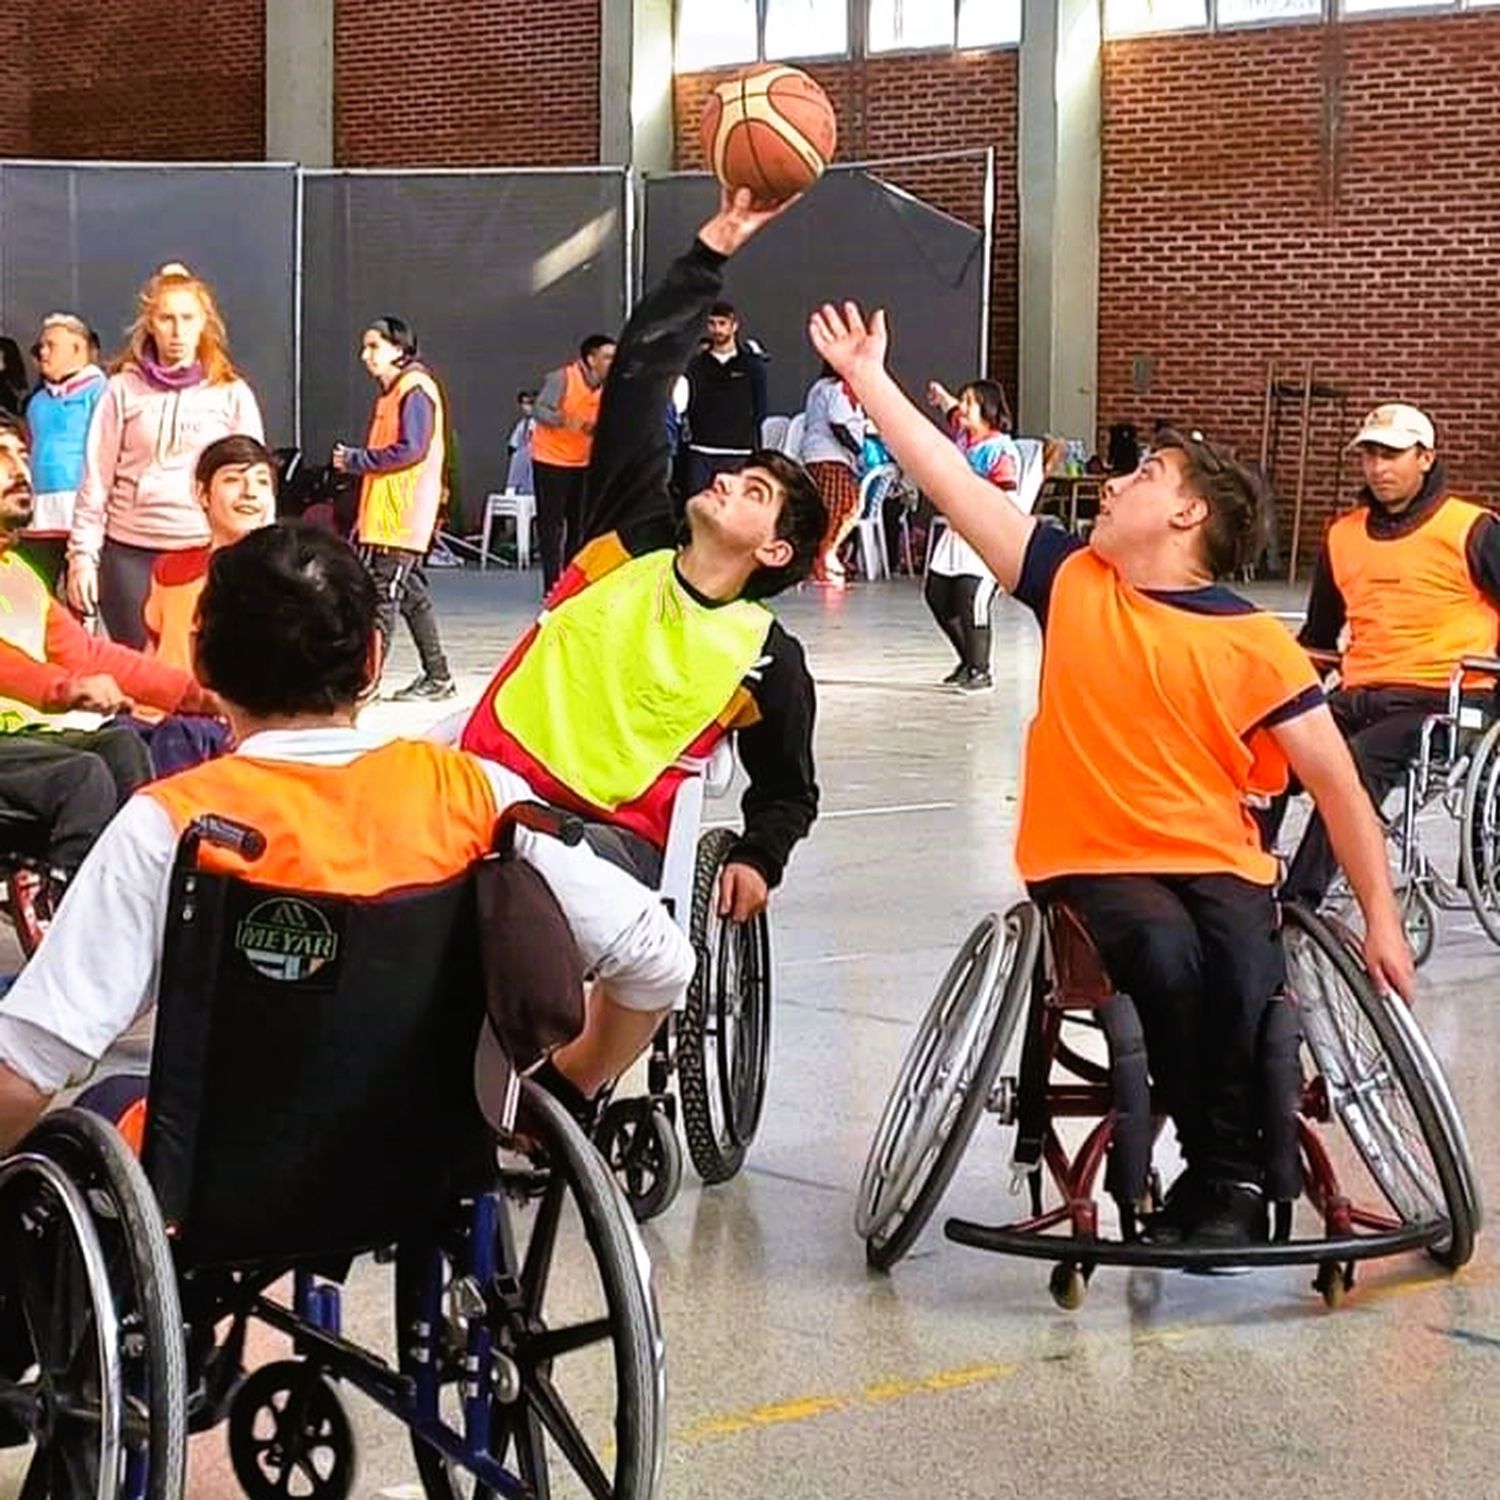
<point>539,818</point>
<point>225,833</point>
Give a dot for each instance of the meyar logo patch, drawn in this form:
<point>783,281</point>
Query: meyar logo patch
<point>286,939</point>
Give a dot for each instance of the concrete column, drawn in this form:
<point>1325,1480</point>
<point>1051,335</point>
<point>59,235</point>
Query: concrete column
<point>1059,194</point>
<point>635,85</point>
<point>299,81</point>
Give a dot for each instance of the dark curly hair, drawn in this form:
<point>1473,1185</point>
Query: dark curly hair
<point>1237,497</point>
<point>802,522</point>
<point>286,621</point>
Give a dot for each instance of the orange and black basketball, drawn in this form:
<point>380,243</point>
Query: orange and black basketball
<point>770,129</point>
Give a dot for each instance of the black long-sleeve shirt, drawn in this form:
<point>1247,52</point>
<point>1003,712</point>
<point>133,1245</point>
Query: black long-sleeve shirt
<point>628,493</point>
<point>1326,608</point>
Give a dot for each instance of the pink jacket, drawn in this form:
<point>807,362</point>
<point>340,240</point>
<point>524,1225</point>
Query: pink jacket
<point>138,465</point>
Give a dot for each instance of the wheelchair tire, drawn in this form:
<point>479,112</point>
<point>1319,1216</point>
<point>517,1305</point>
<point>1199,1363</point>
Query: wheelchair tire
<point>1349,1028</point>
<point>143,1280</point>
<point>1479,833</point>
<point>724,1032</point>
<point>638,1141</point>
<point>280,1417</point>
<point>945,1081</point>
<point>637,1437</point>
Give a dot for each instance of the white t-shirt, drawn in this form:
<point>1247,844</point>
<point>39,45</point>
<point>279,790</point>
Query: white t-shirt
<point>98,968</point>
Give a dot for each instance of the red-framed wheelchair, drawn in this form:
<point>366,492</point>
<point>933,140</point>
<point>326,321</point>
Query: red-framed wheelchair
<point>1025,1029</point>
<point>311,1101</point>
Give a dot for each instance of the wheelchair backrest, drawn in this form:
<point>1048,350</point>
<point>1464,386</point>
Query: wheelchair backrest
<point>311,1084</point>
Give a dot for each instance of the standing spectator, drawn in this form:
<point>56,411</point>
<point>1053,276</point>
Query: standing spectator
<point>58,413</point>
<point>518,476</point>
<point>401,490</point>
<point>566,409</point>
<point>173,392</point>
<point>726,401</point>
<point>13,380</point>
<point>960,589</point>
<point>833,436</point>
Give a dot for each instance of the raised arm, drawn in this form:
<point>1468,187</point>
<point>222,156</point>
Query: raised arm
<point>857,350</point>
<point>630,466</point>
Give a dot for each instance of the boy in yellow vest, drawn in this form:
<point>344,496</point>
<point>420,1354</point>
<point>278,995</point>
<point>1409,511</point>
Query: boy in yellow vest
<point>1414,574</point>
<point>655,644</point>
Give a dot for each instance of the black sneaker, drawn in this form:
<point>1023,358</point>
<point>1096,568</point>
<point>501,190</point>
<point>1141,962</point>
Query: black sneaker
<point>1180,1211</point>
<point>572,1098</point>
<point>426,689</point>
<point>956,676</point>
<point>1233,1213</point>
<point>975,681</point>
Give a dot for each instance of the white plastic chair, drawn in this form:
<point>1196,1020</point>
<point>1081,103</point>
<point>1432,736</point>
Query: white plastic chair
<point>792,443</point>
<point>869,530</point>
<point>1029,483</point>
<point>519,508</point>
<point>773,432</point>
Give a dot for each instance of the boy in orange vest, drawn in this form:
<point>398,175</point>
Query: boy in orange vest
<point>1166,703</point>
<point>1414,575</point>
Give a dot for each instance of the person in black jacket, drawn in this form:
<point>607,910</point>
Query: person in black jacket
<point>653,645</point>
<point>726,399</point>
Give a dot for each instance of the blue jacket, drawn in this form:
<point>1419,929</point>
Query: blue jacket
<point>58,417</point>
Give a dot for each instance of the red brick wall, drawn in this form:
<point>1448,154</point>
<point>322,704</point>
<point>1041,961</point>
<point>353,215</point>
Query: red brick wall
<point>1307,193</point>
<point>475,83</point>
<point>15,82</point>
<point>168,80</point>
<point>907,106</point>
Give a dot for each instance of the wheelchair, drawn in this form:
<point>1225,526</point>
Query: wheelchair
<point>1332,1049</point>
<point>26,886</point>
<point>310,1102</point>
<point>718,1047</point>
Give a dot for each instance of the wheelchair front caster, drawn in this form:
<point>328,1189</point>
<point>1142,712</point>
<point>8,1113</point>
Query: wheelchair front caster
<point>289,1435</point>
<point>1068,1284</point>
<point>639,1143</point>
<point>1419,917</point>
<point>1333,1283</point>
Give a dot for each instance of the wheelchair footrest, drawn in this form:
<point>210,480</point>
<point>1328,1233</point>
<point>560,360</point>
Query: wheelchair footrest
<point>1004,1240</point>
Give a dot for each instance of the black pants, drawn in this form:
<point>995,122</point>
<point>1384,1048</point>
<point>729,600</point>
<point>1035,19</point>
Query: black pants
<point>124,583</point>
<point>1201,957</point>
<point>559,516</point>
<point>402,585</point>
<point>71,782</point>
<point>961,605</point>
<point>1384,730</point>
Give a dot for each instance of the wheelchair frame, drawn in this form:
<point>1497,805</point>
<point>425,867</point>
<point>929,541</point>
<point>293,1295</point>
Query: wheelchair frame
<point>1006,975</point>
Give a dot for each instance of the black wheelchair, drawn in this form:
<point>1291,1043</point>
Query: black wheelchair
<point>718,1046</point>
<point>311,1100</point>
<point>1026,1028</point>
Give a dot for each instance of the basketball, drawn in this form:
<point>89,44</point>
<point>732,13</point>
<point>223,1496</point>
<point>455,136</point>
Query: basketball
<point>771,129</point>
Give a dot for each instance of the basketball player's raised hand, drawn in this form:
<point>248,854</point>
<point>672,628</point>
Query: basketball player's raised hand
<point>738,219</point>
<point>854,347</point>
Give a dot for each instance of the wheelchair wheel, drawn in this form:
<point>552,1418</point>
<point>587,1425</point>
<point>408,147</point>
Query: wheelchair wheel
<point>637,1139</point>
<point>289,1435</point>
<point>143,1283</point>
<point>1479,832</point>
<point>945,1082</point>
<point>562,1340</point>
<point>724,1033</point>
<point>1384,1085</point>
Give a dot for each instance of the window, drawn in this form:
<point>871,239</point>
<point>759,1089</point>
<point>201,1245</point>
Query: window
<point>900,25</point>
<point>1136,17</point>
<point>991,23</point>
<point>713,33</point>
<point>806,28</point>
<point>1246,12</point>
<point>1369,7</point>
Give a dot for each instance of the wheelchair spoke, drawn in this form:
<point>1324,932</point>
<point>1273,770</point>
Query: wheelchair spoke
<point>539,1252</point>
<point>559,1422</point>
<point>531,1456</point>
<point>556,1342</point>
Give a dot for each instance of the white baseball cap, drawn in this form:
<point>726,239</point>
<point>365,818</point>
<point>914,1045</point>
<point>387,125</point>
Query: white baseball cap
<point>1396,425</point>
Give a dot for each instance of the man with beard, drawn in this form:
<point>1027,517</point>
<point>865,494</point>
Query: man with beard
<point>1414,573</point>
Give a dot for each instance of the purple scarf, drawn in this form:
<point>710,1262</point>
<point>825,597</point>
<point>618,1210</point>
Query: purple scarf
<point>168,380</point>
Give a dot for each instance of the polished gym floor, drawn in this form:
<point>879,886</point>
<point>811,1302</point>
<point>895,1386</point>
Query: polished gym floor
<point>794,1371</point>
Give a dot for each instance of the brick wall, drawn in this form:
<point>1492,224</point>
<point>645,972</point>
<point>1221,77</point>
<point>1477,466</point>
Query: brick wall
<point>906,106</point>
<point>15,82</point>
<point>172,80</point>
<point>1307,193</point>
<point>479,83</point>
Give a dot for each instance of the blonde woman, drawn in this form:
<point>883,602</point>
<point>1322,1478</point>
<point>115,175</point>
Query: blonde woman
<point>173,392</point>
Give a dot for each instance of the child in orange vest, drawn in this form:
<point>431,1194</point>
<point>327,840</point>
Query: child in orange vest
<point>235,483</point>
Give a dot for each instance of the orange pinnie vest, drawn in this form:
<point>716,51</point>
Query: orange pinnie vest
<point>405,814</point>
<point>566,447</point>
<point>1413,607</point>
<point>400,508</point>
